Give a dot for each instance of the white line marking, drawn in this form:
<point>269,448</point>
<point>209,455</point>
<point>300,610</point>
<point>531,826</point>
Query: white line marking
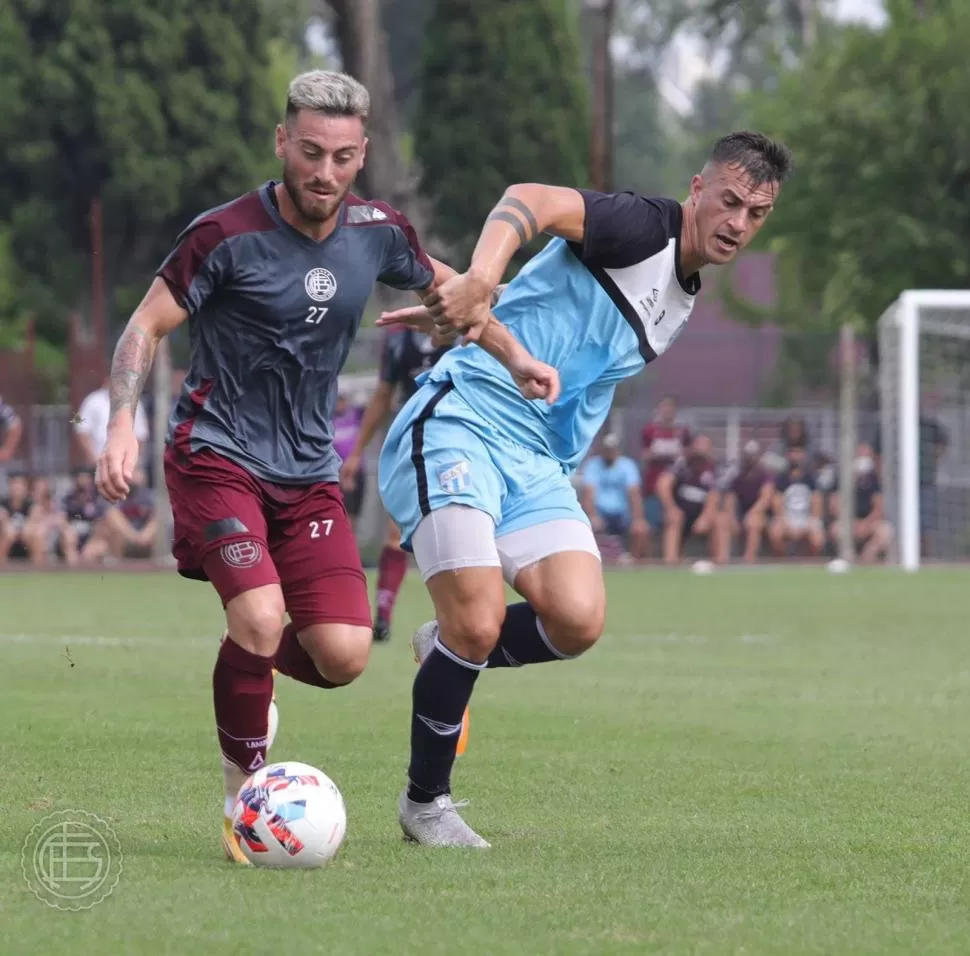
<point>100,640</point>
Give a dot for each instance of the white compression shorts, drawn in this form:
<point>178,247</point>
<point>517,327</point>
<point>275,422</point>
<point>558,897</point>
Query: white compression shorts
<point>457,536</point>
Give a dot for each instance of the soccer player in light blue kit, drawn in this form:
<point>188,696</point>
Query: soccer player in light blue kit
<point>477,476</point>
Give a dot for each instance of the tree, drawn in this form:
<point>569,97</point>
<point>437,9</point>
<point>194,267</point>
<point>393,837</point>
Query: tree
<point>160,109</point>
<point>502,101</point>
<point>405,22</point>
<point>880,201</point>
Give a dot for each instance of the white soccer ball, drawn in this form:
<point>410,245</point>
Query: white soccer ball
<point>838,566</point>
<point>289,815</point>
<point>703,567</point>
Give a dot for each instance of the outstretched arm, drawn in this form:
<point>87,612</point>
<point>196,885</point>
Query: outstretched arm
<point>460,305</point>
<point>156,316</point>
<point>533,378</point>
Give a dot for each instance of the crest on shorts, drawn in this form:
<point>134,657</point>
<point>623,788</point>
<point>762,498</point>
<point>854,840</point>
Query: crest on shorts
<point>320,285</point>
<point>455,478</point>
<point>242,554</point>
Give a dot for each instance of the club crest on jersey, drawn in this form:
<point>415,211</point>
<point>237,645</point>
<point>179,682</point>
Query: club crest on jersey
<point>320,285</point>
<point>242,554</point>
<point>455,478</point>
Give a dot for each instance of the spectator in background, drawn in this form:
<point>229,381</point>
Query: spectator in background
<point>747,490</point>
<point>11,431</point>
<point>825,472</point>
<point>870,530</point>
<point>46,523</point>
<point>663,443</point>
<point>346,428</point>
<point>796,506</point>
<point>690,499</point>
<point>17,536</point>
<point>85,538</point>
<point>131,525</point>
<point>92,423</point>
<point>611,496</point>
<point>794,433</point>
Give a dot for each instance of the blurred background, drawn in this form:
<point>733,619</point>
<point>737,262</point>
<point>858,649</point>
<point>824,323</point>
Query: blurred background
<point>123,119</point>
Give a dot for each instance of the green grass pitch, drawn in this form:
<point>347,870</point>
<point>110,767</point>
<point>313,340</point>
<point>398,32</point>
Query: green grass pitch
<point>765,762</point>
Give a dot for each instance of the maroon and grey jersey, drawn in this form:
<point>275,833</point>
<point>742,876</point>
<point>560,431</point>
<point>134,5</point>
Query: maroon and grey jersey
<point>272,314</point>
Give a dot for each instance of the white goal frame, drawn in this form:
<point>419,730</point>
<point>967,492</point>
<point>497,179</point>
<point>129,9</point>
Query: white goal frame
<point>899,390</point>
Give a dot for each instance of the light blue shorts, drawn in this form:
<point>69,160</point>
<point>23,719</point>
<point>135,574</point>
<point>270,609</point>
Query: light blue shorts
<point>440,452</point>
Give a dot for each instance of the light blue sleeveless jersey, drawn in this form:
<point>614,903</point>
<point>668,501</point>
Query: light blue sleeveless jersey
<point>597,311</point>
<point>595,324</point>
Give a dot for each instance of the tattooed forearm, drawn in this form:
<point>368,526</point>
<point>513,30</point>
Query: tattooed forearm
<point>132,361</point>
<point>518,215</point>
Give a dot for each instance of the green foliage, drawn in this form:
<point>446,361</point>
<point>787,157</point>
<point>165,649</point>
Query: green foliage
<point>880,201</point>
<point>502,101</point>
<point>161,108</point>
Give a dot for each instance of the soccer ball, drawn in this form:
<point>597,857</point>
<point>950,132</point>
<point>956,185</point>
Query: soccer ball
<point>289,815</point>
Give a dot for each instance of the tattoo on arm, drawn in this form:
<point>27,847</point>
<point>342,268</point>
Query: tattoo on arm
<point>514,203</point>
<point>513,221</point>
<point>132,362</point>
<point>518,215</point>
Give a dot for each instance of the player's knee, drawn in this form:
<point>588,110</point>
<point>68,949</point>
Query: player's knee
<point>256,623</point>
<point>471,630</point>
<point>346,666</point>
<point>339,651</point>
<point>576,624</point>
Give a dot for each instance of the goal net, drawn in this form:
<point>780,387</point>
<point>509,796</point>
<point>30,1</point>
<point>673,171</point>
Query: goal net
<point>923,433</point>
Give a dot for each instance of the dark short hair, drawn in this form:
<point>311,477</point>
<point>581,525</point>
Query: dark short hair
<point>763,159</point>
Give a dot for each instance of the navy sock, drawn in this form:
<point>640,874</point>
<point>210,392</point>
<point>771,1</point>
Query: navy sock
<point>441,693</point>
<point>523,640</point>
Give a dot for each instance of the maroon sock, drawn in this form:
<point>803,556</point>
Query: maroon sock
<point>291,659</point>
<point>242,688</point>
<point>391,568</point>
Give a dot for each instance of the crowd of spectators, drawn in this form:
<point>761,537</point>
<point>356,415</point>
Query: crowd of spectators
<point>778,501</point>
<point>671,495</point>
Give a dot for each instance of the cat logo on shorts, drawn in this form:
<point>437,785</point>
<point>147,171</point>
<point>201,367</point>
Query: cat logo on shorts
<point>320,285</point>
<point>455,478</point>
<point>242,554</point>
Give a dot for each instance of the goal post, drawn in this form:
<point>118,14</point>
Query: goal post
<point>924,347</point>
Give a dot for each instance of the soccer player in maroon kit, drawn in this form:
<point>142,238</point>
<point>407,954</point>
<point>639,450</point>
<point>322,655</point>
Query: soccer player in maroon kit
<point>274,285</point>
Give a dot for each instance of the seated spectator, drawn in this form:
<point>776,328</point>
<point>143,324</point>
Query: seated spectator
<point>825,471</point>
<point>663,443</point>
<point>45,523</point>
<point>690,499</point>
<point>796,507</point>
<point>84,539</point>
<point>17,536</point>
<point>130,526</point>
<point>871,532</point>
<point>92,423</point>
<point>611,496</point>
<point>747,490</point>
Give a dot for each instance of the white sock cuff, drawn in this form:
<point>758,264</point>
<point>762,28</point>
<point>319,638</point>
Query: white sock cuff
<point>552,647</point>
<point>451,655</point>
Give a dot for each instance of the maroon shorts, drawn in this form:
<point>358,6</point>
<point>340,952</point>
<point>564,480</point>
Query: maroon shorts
<point>240,533</point>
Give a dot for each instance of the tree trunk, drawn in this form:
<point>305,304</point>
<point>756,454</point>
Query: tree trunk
<point>809,17</point>
<point>363,48</point>
<point>601,12</point>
